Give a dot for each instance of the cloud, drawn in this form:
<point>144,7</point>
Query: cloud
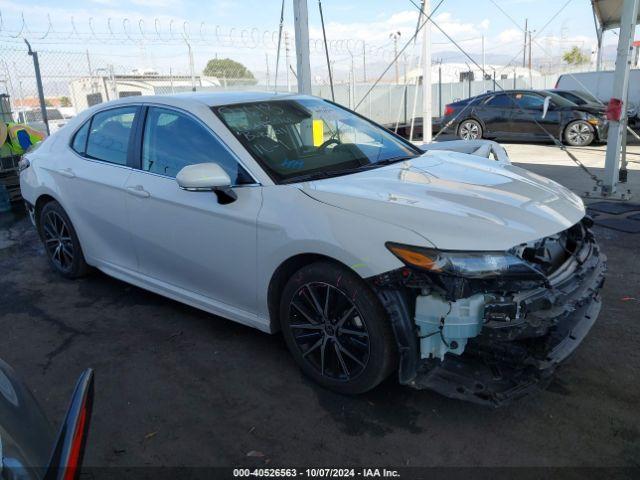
<point>510,35</point>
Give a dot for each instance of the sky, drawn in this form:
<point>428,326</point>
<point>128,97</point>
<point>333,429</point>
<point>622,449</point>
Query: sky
<point>149,33</point>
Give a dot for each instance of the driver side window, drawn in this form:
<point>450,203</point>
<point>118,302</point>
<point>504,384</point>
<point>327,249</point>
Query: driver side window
<point>173,140</point>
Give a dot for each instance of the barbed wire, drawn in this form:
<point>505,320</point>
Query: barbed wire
<point>123,31</point>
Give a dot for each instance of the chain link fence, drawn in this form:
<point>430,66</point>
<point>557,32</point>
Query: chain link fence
<point>75,80</point>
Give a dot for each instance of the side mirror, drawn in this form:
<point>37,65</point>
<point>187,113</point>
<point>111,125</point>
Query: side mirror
<point>203,177</point>
<point>207,177</point>
<point>545,107</point>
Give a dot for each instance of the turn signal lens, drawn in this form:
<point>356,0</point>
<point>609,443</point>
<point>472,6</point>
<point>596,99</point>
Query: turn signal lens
<point>593,121</point>
<point>412,257</point>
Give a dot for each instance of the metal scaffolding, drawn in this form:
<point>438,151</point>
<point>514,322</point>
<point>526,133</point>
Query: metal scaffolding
<point>611,14</point>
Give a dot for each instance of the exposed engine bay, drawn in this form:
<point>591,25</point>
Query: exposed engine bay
<point>493,335</point>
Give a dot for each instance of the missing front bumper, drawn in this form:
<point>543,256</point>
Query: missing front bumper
<point>476,378</point>
<point>519,339</point>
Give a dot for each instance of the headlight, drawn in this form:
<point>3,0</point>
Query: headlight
<point>477,265</point>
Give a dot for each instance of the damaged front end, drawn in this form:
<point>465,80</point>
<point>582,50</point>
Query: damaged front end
<point>489,327</point>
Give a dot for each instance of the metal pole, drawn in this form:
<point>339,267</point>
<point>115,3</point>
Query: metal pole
<point>364,62</point>
<point>524,48</point>
<point>326,52</point>
<point>191,67</point>
<point>530,76</point>
<point>620,92</point>
<point>395,36</point>
<point>426,74</point>
<point>484,85</point>
<point>286,58</point>
<point>43,106</point>
<point>440,90</point>
<point>301,19</point>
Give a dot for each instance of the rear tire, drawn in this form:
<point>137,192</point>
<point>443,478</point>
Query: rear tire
<point>336,329</point>
<point>470,130</point>
<point>60,241</point>
<point>579,134</point>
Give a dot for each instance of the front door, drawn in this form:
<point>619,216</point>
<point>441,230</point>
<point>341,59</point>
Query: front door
<point>188,239</point>
<point>527,117</point>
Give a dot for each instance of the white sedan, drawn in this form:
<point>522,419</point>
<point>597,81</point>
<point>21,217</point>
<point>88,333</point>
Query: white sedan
<point>458,272</point>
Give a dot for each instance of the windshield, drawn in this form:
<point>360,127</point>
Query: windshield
<point>295,140</point>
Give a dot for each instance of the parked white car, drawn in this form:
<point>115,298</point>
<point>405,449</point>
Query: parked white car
<point>33,118</point>
<point>288,213</point>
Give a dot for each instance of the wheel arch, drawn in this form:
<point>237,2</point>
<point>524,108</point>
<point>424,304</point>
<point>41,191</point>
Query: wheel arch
<point>41,201</point>
<point>282,274</point>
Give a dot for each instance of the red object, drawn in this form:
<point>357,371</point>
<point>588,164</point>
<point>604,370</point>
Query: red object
<point>614,109</point>
<point>76,446</point>
<point>448,110</point>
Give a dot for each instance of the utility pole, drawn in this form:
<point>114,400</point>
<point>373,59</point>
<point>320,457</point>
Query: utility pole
<point>364,62</point>
<point>286,58</point>
<point>395,36</point>
<point>530,75</point>
<point>301,23</point>
<point>426,73</point>
<point>524,48</point>
<point>266,58</point>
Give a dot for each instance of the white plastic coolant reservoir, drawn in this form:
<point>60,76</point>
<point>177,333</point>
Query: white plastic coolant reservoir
<point>446,326</point>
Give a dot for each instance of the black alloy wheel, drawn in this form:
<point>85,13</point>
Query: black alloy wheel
<point>60,241</point>
<point>336,328</point>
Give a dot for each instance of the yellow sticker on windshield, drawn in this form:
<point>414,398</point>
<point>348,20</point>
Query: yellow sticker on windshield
<point>318,133</point>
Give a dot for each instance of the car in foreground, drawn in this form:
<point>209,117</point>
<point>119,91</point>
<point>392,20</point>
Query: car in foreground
<point>525,115</point>
<point>29,447</point>
<point>289,213</point>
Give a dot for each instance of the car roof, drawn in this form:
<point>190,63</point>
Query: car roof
<point>212,99</point>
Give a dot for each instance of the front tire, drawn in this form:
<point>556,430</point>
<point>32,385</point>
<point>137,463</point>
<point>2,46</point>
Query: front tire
<point>579,134</point>
<point>336,329</point>
<point>61,242</point>
<point>470,130</point>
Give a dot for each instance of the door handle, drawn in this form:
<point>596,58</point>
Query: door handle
<point>138,191</point>
<point>66,172</point>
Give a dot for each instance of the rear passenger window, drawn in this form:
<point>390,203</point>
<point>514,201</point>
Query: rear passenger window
<point>80,140</point>
<point>109,135</point>
<point>501,100</point>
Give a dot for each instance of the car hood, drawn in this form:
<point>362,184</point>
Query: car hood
<point>456,201</point>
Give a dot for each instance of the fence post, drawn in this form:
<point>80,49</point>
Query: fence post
<point>36,66</point>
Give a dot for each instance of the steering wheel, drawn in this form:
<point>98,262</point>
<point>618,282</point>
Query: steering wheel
<point>331,141</point>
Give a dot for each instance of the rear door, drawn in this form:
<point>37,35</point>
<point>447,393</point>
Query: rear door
<point>495,114</point>
<point>188,240</point>
<point>91,181</point>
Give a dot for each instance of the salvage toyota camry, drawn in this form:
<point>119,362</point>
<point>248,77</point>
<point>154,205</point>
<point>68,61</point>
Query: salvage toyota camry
<point>444,264</point>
